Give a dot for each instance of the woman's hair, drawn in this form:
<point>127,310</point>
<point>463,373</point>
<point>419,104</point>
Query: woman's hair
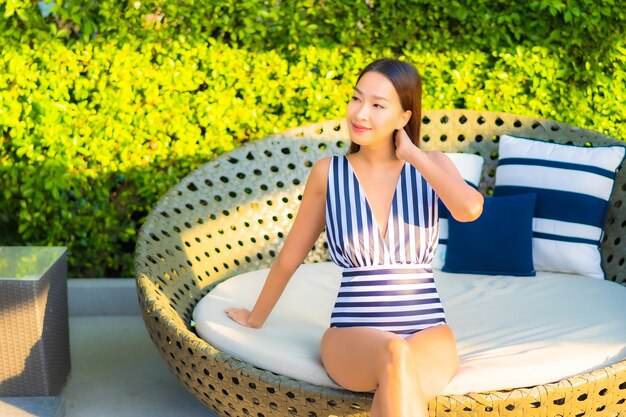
<point>408,84</point>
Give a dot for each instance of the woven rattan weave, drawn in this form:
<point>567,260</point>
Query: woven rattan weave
<point>231,216</point>
<point>34,327</point>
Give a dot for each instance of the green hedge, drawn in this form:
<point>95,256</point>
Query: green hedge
<point>106,105</point>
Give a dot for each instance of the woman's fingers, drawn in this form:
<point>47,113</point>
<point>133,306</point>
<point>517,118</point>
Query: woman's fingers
<point>403,144</point>
<point>239,315</point>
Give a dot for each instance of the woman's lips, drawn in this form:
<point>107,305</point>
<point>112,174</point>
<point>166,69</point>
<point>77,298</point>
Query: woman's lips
<point>359,128</point>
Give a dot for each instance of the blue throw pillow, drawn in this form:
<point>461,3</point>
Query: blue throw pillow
<point>499,242</point>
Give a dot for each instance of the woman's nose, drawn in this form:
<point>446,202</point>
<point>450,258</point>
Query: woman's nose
<point>362,113</point>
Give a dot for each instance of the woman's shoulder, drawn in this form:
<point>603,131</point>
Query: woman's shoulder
<point>321,166</point>
<point>319,171</point>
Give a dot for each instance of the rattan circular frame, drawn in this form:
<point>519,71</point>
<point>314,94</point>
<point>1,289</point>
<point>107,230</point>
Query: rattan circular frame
<point>231,216</point>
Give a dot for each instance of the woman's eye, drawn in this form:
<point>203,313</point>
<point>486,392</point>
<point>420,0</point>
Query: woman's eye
<point>378,106</point>
<point>355,98</point>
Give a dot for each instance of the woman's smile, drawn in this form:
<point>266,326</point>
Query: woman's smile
<point>359,128</point>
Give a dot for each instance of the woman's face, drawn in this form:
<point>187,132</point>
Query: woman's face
<point>374,111</point>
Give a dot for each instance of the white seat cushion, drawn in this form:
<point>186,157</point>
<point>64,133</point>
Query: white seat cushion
<point>511,332</point>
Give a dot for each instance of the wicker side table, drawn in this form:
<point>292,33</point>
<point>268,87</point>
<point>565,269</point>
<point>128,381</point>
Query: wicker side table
<point>34,329</point>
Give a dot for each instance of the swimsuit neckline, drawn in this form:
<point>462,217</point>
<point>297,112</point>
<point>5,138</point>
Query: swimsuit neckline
<point>367,203</point>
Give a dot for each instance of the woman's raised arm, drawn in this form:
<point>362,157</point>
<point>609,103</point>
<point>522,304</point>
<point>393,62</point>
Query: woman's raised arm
<point>307,226</point>
<point>464,202</point>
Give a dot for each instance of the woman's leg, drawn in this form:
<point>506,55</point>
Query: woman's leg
<point>437,359</point>
<point>365,359</point>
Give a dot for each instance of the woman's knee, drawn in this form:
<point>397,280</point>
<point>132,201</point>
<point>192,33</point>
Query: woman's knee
<point>398,353</point>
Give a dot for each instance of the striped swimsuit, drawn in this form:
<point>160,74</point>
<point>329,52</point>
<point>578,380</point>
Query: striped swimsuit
<point>387,281</point>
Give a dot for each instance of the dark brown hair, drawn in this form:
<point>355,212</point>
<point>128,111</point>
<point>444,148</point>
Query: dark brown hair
<point>408,84</point>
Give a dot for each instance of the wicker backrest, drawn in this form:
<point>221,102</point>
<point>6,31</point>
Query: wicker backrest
<point>232,214</point>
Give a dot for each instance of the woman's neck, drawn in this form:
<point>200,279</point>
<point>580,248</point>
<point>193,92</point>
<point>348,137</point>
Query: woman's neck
<point>383,154</point>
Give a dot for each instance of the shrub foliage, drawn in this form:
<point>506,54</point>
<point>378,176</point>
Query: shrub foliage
<point>106,105</point>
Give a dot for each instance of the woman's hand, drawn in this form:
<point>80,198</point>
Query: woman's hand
<point>404,147</point>
<point>241,316</point>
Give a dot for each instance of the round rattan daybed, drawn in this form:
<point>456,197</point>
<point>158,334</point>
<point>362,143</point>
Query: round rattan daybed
<point>231,215</point>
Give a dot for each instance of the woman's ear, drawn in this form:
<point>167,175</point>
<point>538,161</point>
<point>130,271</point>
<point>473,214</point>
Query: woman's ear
<point>405,118</point>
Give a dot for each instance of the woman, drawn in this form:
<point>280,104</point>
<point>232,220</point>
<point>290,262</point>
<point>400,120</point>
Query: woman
<point>379,204</point>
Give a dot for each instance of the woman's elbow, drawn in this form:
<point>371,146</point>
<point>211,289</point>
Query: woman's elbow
<point>472,210</point>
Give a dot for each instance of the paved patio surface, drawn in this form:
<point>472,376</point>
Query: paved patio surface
<point>116,369</point>
<point>117,372</point>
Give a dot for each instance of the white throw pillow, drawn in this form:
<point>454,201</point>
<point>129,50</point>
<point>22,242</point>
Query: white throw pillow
<point>470,167</point>
<point>573,186</point>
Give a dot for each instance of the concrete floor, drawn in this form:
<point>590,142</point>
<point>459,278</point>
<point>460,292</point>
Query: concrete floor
<point>116,369</point>
<point>117,372</point>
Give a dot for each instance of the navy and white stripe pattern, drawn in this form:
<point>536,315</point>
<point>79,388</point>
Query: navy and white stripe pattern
<point>573,186</point>
<point>387,281</point>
